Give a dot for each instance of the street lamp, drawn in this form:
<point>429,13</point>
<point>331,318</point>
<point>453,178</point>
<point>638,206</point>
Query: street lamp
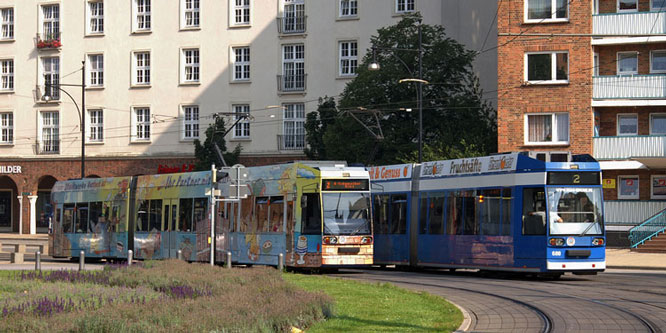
<point>47,97</point>
<point>374,66</point>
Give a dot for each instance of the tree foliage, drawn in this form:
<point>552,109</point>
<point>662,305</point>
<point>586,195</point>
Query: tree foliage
<point>457,122</point>
<point>206,154</point>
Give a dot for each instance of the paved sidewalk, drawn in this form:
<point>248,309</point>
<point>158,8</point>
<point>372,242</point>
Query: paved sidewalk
<point>626,259</point>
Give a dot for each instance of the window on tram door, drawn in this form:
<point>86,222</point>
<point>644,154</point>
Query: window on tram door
<point>97,221</point>
<point>454,210</point>
<point>200,211</point>
<point>56,220</point>
<point>399,214</point>
<point>311,212</point>
<point>155,215</point>
<point>261,214</point>
<point>247,207</point>
<point>380,212</point>
<point>534,211</point>
<point>436,213</point>
<point>423,213</point>
<point>471,224</point>
<point>142,215</point>
<point>82,218</point>
<point>488,211</point>
<point>67,218</point>
<point>120,221</point>
<point>276,213</point>
<point>506,201</point>
<point>233,220</point>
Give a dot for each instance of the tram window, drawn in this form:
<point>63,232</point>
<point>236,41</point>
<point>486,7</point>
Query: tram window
<point>142,215</point>
<point>185,215</point>
<point>399,214</point>
<point>471,225</point>
<point>261,214</point>
<point>56,220</point>
<point>534,211</point>
<point>232,217</point>
<point>67,218</point>
<point>436,214</point>
<point>276,211</point>
<point>506,212</point>
<point>246,214</point>
<point>488,211</point>
<point>155,215</point>
<point>454,209</point>
<point>82,218</point>
<point>423,213</point>
<point>311,220</point>
<point>200,211</point>
<point>381,211</point>
<point>96,217</point>
<point>290,217</point>
<point>116,218</point>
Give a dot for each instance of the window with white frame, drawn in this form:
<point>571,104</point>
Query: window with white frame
<point>627,187</point>
<point>658,124</point>
<point>96,70</point>
<point>627,5</point>
<point>242,129</point>
<point>190,13</point>
<point>293,67</point>
<point>96,17</point>
<point>595,60</point>
<point>240,12</point>
<point>658,187</point>
<point>7,127</point>
<point>7,72</point>
<point>141,124</point>
<point>241,63</point>
<point>547,128</point>
<point>50,132</point>
<point>293,16</point>
<point>627,124</point>
<point>141,70</point>
<point>50,16</point>
<point>547,67</point>
<point>546,10</point>
<point>658,61</point>
<point>348,58</point>
<point>293,132</point>
<point>96,125</point>
<point>51,77</point>
<point>627,63</point>
<point>190,65</point>
<point>404,6</point>
<point>658,5</point>
<point>348,8</point>
<point>7,17</point>
<point>142,15</point>
<point>191,122</point>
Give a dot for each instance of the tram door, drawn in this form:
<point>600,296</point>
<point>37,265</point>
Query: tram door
<point>170,227</point>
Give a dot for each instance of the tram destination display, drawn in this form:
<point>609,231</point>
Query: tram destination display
<point>345,184</point>
<point>574,178</point>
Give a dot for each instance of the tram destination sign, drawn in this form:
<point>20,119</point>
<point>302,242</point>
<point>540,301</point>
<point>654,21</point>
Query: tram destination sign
<point>345,185</point>
<point>573,178</point>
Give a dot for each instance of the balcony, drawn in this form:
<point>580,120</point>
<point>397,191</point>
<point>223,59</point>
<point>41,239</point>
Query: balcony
<point>49,41</point>
<point>292,25</point>
<point>47,93</point>
<point>623,147</point>
<point>623,24</point>
<point>291,142</point>
<point>292,83</point>
<point>48,147</point>
<point>652,86</point>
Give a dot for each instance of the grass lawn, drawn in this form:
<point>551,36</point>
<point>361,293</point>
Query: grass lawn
<point>379,307</point>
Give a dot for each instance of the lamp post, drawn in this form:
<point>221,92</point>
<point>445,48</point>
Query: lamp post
<point>374,66</point>
<point>49,87</point>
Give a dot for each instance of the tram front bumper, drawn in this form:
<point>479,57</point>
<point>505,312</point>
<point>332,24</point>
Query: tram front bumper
<point>571,266</point>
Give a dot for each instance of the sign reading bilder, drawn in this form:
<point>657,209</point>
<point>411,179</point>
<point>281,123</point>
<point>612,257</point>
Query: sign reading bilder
<point>10,169</point>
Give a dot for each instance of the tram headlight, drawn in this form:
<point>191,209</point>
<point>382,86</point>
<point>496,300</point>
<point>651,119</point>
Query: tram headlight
<point>330,240</point>
<point>557,241</point>
<point>598,242</point>
<point>366,240</point>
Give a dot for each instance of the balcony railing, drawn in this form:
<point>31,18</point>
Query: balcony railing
<point>621,147</point>
<point>287,83</point>
<point>46,147</point>
<point>632,212</point>
<point>47,93</point>
<point>292,24</point>
<point>48,41</point>
<point>652,86</point>
<point>641,23</point>
<point>291,142</point>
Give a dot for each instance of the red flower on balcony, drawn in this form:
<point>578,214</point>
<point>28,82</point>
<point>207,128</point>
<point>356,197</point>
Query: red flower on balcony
<point>53,43</point>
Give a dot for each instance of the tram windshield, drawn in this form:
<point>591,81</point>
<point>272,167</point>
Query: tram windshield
<point>346,213</point>
<point>575,211</point>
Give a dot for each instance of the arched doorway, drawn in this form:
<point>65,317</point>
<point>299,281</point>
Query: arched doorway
<point>9,205</point>
<point>44,210</point>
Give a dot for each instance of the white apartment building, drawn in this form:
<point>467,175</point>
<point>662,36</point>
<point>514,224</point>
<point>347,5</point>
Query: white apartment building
<point>156,71</point>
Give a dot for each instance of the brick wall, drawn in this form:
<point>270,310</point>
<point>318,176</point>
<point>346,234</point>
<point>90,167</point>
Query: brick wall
<point>515,99</point>
<point>608,118</point>
<point>610,6</point>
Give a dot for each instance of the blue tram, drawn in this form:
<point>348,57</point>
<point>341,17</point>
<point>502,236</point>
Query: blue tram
<point>506,212</point>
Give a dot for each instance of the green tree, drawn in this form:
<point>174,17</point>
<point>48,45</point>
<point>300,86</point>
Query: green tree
<point>206,153</point>
<point>457,122</point>
<point>316,124</point>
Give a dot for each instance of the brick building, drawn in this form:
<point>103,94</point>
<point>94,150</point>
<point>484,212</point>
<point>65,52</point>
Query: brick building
<point>589,77</point>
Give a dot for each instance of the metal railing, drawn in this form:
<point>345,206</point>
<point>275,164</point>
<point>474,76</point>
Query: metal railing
<point>292,24</point>
<point>629,86</point>
<point>638,23</point>
<point>631,212</point>
<point>291,141</point>
<point>288,83</point>
<point>648,229</point>
<point>48,40</point>
<point>49,92</point>
<point>47,147</point>
<point>621,147</point>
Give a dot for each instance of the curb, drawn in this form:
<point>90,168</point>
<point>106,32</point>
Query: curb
<point>646,268</point>
<point>467,319</point>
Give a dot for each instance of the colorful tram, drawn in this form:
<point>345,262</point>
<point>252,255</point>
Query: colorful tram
<point>315,214</point>
<point>507,212</point>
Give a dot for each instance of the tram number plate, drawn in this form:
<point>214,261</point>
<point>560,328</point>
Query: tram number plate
<point>556,253</point>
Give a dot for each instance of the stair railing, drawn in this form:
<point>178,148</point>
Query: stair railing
<point>653,226</point>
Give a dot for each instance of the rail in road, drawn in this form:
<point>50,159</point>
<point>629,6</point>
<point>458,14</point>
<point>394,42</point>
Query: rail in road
<point>518,304</point>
